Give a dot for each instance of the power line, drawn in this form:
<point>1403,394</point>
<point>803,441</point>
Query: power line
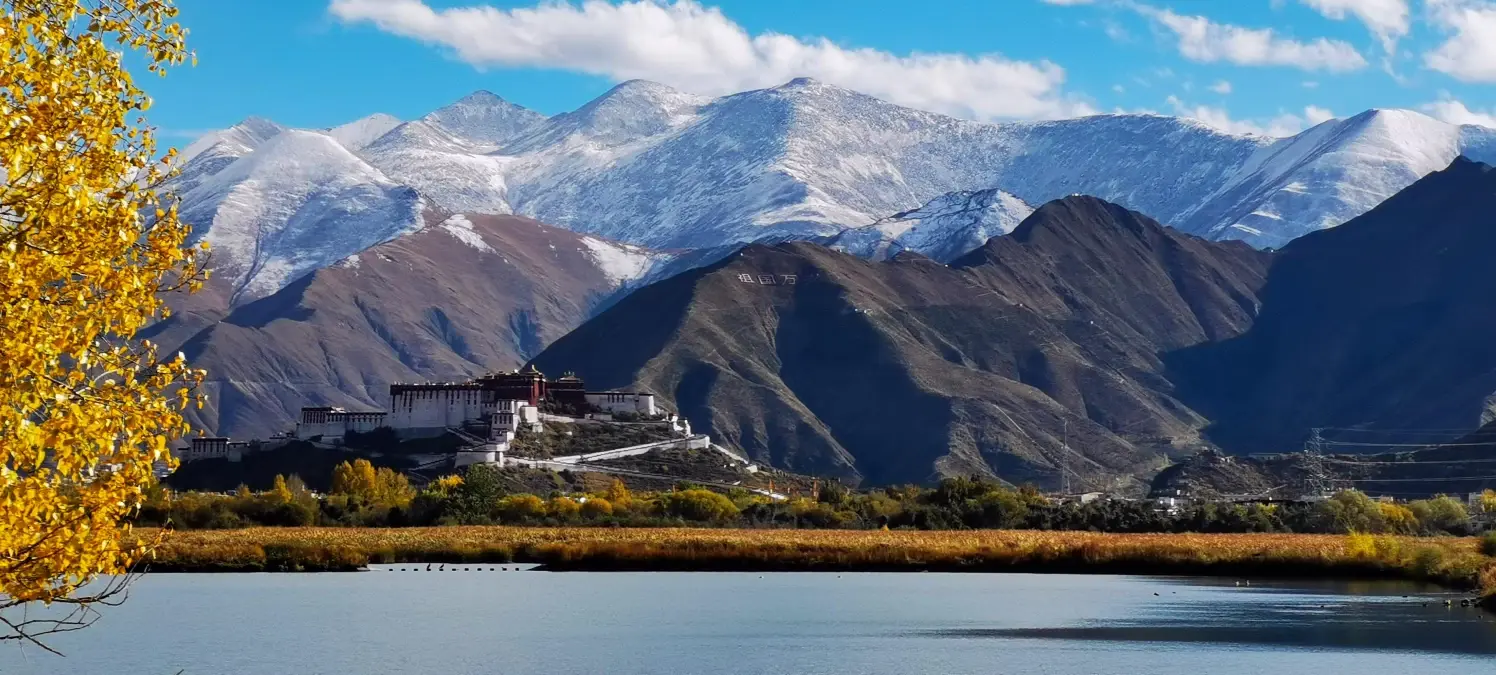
<point>1411,462</point>
<point>1465,430</point>
<point>1431,446</point>
<point>1417,480</point>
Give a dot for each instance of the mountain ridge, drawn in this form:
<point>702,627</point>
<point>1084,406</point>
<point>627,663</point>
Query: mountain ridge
<point>1343,342</point>
<point>647,164</point>
<point>980,366</point>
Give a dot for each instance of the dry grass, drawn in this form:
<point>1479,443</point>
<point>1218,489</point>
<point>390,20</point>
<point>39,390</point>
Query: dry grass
<point>1452,561</point>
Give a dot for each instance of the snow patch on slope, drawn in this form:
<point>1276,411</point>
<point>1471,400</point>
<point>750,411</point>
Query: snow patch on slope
<point>620,263</point>
<point>943,229</point>
<point>460,227</point>
<point>298,203</point>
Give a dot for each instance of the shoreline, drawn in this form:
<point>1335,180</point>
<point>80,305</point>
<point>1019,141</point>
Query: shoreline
<point>1454,563</point>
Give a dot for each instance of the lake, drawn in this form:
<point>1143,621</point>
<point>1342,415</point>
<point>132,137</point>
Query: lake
<point>512,622</point>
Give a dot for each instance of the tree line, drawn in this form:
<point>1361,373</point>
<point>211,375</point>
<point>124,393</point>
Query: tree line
<point>361,495</point>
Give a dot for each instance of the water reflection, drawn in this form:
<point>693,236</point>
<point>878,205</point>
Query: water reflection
<point>1315,615</point>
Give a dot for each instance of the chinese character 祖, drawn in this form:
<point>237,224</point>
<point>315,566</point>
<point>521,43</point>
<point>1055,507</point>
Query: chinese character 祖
<point>789,280</point>
<point>766,279</point>
<point>745,278</point>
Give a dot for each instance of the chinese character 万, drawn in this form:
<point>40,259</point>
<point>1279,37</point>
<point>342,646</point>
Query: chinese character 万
<point>766,279</point>
<point>789,280</point>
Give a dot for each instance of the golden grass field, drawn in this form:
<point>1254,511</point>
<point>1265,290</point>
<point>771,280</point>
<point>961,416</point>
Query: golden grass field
<point>1452,561</point>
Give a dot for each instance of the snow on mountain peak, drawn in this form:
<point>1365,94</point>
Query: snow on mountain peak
<point>234,141</point>
<point>650,165</point>
<point>301,201</point>
<point>481,97</point>
<point>630,112</point>
<point>1324,176</point>
<point>484,119</point>
<point>359,133</point>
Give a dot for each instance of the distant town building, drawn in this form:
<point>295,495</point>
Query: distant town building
<point>1169,504</point>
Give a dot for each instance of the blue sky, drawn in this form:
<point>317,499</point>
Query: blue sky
<point>1242,65</point>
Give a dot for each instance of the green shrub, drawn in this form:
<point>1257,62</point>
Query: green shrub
<point>564,508</point>
<point>597,507</point>
<point>1428,561</point>
<point>699,505</point>
<point>1488,543</point>
<point>517,508</point>
<point>1441,514</point>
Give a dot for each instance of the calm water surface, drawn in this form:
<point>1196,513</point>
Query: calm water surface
<point>724,624</point>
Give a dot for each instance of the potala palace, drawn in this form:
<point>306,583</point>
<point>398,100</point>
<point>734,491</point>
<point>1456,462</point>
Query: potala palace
<point>492,408</point>
<point>501,402</point>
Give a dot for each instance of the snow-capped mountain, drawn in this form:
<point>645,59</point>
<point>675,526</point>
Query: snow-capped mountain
<point>299,202</point>
<point>484,120</point>
<point>215,151</point>
<point>1331,173</point>
<point>233,142</point>
<point>944,228</point>
<point>652,166</point>
<point>446,156</point>
<point>629,113</point>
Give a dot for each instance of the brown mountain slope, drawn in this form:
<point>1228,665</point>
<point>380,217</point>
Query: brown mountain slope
<point>444,303</point>
<point>1386,322</point>
<point>895,371</point>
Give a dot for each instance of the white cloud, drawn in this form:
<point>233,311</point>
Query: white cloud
<point>1310,84</point>
<point>1119,89</point>
<point>1386,19</point>
<point>1316,115</point>
<point>1067,2</point>
<point>697,48</point>
<point>1470,52</point>
<point>1455,112</point>
<point>1203,40</point>
<point>1284,124</point>
<point>1223,87</point>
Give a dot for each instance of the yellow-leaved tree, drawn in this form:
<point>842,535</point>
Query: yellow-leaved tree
<point>86,249</point>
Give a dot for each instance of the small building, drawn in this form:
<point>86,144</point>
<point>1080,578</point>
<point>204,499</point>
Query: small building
<point>513,416</point>
<point>1169,505</point>
<point>568,391</point>
<point>680,425</point>
<point>623,402</point>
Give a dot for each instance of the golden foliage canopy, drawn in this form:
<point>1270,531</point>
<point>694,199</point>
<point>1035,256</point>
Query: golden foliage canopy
<point>384,487</point>
<point>86,248</point>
